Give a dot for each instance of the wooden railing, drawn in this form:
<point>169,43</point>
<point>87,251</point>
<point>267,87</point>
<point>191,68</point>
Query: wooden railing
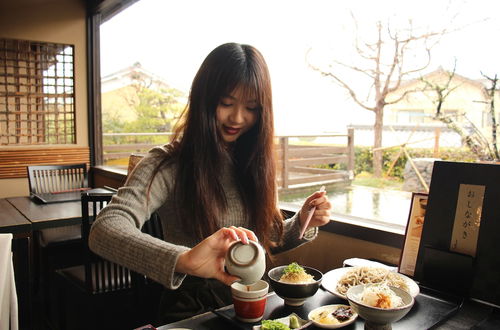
<point>299,165</point>
<point>302,160</point>
<point>124,149</point>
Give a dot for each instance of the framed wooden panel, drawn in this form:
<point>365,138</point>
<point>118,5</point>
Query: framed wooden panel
<point>13,163</point>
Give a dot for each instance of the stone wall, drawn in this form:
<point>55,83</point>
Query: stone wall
<point>411,181</point>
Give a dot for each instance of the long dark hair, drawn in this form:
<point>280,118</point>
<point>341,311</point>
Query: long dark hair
<point>199,149</point>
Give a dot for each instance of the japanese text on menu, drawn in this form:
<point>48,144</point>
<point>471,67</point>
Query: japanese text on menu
<point>467,219</point>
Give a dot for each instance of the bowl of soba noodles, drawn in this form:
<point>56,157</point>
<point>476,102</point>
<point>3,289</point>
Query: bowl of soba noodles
<point>295,283</point>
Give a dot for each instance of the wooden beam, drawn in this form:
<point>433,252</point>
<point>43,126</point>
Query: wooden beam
<point>317,178</point>
<point>313,170</point>
<point>319,151</point>
<point>318,160</point>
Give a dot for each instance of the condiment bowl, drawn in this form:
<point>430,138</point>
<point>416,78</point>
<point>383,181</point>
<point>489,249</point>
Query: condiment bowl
<point>294,294</point>
<point>379,318</point>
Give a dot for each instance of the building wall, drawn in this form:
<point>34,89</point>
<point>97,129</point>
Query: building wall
<point>467,96</point>
<point>118,103</point>
<point>60,21</point>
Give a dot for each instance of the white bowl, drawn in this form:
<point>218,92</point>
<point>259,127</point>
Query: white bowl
<point>377,318</point>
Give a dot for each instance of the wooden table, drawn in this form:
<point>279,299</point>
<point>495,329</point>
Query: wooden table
<point>22,216</point>
<point>429,311</point>
<point>48,215</point>
<point>13,221</point>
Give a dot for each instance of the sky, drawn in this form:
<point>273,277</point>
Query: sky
<point>171,38</point>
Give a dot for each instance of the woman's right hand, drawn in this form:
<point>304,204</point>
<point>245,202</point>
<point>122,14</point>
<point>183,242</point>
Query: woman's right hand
<point>207,258</point>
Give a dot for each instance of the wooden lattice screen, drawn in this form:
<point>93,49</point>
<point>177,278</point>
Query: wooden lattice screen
<point>37,100</point>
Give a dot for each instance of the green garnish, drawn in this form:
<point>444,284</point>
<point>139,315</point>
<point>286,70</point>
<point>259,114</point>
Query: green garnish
<point>294,322</point>
<point>273,325</point>
<point>293,268</point>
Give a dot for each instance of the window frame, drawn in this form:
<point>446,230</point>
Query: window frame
<point>98,12</point>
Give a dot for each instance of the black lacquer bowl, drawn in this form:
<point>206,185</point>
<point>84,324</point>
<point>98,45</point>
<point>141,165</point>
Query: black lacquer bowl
<point>294,294</point>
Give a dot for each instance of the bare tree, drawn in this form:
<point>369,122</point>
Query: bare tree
<point>494,125</point>
<point>392,56</point>
<point>470,134</point>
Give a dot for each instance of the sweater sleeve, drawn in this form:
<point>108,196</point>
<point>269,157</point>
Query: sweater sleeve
<point>116,234</point>
<point>291,232</point>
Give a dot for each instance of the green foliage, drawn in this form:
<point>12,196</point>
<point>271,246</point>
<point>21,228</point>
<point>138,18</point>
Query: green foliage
<point>364,157</point>
<point>156,111</point>
<point>364,160</point>
<point>368,180</point>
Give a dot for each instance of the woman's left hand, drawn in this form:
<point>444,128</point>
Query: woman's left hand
<point>321,214</point>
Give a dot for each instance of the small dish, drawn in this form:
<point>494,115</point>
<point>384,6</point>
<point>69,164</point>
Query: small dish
<point>286,321</point>
<point>314,316</point>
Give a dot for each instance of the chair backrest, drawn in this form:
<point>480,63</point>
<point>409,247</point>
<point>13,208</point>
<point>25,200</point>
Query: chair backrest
<point>57,178</point>
<point>133,160</point>
<point>153,226</point>
<point>102,275</point>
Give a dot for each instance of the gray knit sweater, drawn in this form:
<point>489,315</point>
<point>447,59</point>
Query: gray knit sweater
<point>116,233</point>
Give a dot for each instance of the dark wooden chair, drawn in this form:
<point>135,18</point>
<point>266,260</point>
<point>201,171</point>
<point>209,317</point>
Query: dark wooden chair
<point>62,246</point>
<point>57,178</point>
<point>101,294</point>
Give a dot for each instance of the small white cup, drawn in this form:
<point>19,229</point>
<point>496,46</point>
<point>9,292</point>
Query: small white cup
<point>250,300</point>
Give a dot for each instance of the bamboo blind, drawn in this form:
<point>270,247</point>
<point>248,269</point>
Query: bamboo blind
<point>37,101</point>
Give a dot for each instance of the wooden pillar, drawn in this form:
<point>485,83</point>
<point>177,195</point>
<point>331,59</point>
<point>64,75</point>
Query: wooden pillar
<point>350,150</point>
<point>437,133</point>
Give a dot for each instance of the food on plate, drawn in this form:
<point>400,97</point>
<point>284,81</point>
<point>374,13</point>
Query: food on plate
<point>380,295</point>
<point>295,274</point>
<point>294,322</point>
<point>370,275</point>
<point>273,325</point>
<point>331,315</point>
<point>342,313</point>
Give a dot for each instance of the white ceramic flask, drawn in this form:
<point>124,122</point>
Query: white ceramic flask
<point>247,261</point>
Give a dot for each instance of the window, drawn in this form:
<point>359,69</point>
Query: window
<point>410,116</point>
<point>306,103</point>
<point>36,93</point>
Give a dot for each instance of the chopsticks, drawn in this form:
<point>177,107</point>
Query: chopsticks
<point>309,216</point>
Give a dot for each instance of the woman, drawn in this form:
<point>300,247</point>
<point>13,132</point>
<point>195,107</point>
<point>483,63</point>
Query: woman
<point>213,185</point>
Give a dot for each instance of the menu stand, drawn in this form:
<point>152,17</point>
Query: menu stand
<point>439,264</point>
<point>459,250</point>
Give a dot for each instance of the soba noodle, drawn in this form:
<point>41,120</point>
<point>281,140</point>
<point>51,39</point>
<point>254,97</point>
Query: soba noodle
<point>367,275</point>
<point>295,274</point>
